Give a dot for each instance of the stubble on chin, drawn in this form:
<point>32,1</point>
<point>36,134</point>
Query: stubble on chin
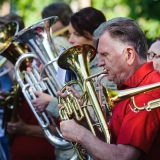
<point>116,81</point>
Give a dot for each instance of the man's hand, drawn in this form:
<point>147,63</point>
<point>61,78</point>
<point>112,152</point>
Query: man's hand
<point>70,130</point>
<point>19,127</point>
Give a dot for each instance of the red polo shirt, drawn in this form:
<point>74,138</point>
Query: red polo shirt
<point>140,129</point>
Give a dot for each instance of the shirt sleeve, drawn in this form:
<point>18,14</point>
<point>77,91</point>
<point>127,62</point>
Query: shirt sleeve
<point>134,125</point>
<point>53,107</point>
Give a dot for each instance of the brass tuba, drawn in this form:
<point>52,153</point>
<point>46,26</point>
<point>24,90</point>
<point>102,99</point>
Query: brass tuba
<point>8,47</point>
<point>39,39</point>
<point>77,59</point>
<point>11,50</point>
<point>15,48</point>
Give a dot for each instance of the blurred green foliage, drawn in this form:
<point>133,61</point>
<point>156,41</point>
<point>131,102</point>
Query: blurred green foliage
<point>145,12</point>
<point>1,2</point>
<point>30,10</point>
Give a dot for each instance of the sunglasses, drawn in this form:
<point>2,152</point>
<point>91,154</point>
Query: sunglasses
<point>152,55</point>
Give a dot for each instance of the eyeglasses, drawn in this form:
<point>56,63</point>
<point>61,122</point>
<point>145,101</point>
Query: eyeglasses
<point>152,55</point>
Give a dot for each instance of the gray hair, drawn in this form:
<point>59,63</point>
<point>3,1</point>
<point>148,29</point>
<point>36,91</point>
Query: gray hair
<point>127,31</point>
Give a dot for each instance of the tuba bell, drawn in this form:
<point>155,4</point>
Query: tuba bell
<point>8,47</point>
<point>39,39</point>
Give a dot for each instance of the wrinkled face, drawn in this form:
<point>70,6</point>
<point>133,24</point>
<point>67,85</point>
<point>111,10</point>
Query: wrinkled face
<point>76,39</point>
<point>155,51</point>
<point>112,57</point>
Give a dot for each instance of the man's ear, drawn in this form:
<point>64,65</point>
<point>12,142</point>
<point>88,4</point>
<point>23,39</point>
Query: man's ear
<point>130,55</point>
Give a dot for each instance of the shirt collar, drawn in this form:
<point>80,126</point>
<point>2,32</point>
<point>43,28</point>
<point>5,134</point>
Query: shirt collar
<point>138,76</point>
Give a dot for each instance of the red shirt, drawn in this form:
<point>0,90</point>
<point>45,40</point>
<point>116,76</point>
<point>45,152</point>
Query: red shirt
<point>30,147</point>
<point>140,129</point>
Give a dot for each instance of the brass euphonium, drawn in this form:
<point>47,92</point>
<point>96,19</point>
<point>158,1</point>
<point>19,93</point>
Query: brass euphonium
<point>77,59</point>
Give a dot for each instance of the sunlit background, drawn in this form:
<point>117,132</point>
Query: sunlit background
<point>145,12</point>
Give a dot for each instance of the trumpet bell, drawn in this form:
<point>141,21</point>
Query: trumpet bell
<point>113,96</point>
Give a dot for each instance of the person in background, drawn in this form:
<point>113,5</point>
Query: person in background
<point>14,17</point>
<point>64,12</point>
<point>29,141</point>
<point>5,86</point>
<point>154,54</point>
<point>122,50</point>
<point>80,33</point>
<point>6,83</point>
<point>60,40</point>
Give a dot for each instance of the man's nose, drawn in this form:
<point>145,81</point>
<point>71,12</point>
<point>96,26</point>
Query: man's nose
<point>100,62</point>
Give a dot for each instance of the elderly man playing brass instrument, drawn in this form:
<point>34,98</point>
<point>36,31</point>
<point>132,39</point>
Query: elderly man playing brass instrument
<point>122,51</point>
